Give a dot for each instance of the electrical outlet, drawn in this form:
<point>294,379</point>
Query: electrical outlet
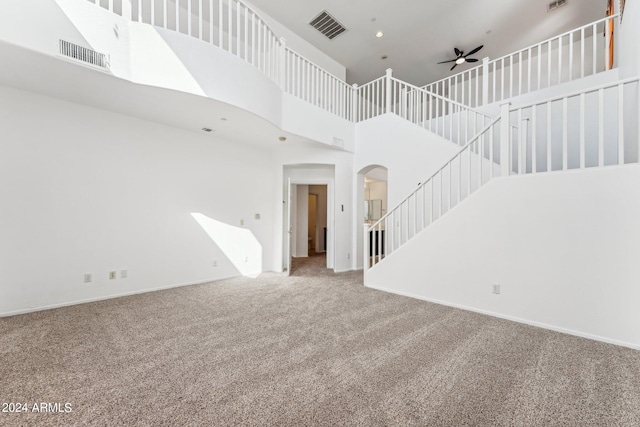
<point>123,274</point>
<point>348,256</point>
<point>215,262</point>
<point>112,275</point>
<point>496,289</point>
<point>242,222</point>
<point>257,216</point>
<point>246,259</point>
<point>87,278</point>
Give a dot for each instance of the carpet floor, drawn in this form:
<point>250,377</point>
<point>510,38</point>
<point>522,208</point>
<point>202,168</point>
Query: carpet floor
<point>316,348</point>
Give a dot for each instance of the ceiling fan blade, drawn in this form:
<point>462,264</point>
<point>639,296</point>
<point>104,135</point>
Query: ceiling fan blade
<point>474,50</point>
<point>454,66</point>
<point>457,51</point>
<point>471,60</point>
<point>444,62</point>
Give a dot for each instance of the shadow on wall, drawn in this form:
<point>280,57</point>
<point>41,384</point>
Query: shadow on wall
<point>238,244</point>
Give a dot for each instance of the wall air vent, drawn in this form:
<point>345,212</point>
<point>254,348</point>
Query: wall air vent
<point>556,4</point>
<point>83,55</point>
<point>327,25</point>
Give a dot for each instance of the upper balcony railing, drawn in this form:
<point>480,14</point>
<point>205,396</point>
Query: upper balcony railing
<point>305,80</point>
<point>575,54</point>
<point>443,106</point>
<point>229,24</point>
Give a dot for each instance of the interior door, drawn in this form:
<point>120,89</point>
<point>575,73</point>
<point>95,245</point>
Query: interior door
<point>289,227</point>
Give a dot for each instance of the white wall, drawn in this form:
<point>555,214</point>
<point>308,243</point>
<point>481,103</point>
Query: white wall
<point>628,52</point>
<point>563,246</point>
<point>302,118</point>
<point>89,191</point>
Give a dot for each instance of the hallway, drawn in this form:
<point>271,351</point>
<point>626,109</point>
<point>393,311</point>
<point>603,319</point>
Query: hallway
<point>313,266</point>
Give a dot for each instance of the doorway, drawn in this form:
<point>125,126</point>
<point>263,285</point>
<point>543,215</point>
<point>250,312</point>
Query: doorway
<point>309,219</point>
<point>318,210</point>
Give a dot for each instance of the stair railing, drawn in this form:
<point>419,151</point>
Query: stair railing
<point>443,106</point>
<point>447,118</point>
<point>596,127</point>
<point>480,160</point>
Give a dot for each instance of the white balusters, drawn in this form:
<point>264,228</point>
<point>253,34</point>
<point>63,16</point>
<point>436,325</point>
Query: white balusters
<point>506,75</point>
<point>580,132</point>
<point>433,198</point>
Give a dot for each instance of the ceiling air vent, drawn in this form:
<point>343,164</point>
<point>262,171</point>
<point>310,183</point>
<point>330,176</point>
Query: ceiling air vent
<point>555,4</point>
<point>327,25</point>
<point>84,55</point>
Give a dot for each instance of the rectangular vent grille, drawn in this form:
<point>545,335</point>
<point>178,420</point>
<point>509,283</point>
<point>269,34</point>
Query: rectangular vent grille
<point>556,4</point>
<point>327,25</point>
<point>84,55</point>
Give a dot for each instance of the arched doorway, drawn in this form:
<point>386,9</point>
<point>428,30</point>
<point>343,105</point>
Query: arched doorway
<point>371,202</point>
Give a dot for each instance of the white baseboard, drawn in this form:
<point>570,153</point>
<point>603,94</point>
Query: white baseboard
<point>511,318</point>
<point>111,296</point>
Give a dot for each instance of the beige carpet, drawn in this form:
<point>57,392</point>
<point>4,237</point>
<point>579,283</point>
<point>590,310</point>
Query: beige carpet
<point>302,350</point>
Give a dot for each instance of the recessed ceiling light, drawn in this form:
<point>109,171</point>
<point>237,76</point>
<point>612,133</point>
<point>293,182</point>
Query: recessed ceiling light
<point>373,19</point>
<point>383,57</point>
<point>224,119</point>
<point>282,138</point>
<point>379,34</point>
<point>207,129</point>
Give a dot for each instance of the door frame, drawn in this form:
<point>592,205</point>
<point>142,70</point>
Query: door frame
<point>330,249</point>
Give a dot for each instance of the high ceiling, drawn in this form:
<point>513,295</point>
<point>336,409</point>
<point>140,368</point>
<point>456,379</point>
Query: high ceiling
<point>420,33</point>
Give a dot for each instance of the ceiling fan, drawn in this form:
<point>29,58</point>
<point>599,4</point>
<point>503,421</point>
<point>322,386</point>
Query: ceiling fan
<point>461,58</point>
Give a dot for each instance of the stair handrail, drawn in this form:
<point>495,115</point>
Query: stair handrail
<point>445,117</point>
<point>441,97</point>
<point>458,153</point>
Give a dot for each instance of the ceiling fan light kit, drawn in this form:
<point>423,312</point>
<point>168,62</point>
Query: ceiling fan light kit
<point>461,58</point>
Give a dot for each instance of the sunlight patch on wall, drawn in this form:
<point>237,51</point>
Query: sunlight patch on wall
<point>238,244</point>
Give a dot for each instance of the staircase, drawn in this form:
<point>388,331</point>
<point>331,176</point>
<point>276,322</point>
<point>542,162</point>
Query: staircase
<point>595,127</point>
<point>592,127</point>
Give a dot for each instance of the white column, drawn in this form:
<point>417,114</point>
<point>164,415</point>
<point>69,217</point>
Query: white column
<point>387,108</point>
<point>522,147</point>
<point>485,81</point>
<point>365,247</point>
<point>282,63</point>
<point>126,10</point>
<point>505,140</point>
<point>354,103</point>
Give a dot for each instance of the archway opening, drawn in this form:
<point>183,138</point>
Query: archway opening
<point>371,204</point>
